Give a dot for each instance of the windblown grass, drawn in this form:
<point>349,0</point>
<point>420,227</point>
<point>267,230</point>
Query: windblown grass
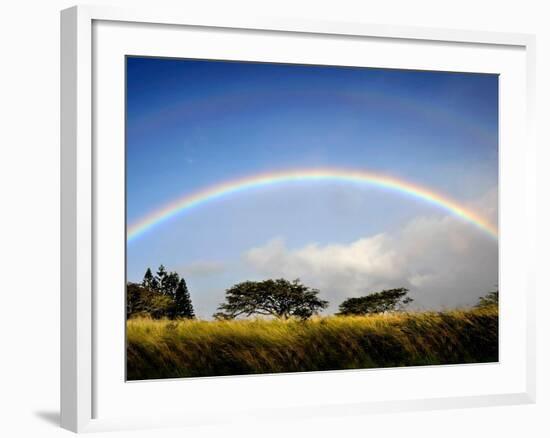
<point>193,348</point>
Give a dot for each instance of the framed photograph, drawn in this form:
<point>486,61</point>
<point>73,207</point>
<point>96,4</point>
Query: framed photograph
<point>274,218</point>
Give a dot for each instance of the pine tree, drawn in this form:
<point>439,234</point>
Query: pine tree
<point>170,284</point>
<point>161,277</point>
<point>149,281</point>
<point>184,307</point>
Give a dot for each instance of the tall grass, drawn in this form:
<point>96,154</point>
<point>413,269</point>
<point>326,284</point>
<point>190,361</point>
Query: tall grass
<point>194,348</point>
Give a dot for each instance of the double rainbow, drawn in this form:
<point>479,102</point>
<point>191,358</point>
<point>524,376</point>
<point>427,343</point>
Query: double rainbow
<point>200,197</point>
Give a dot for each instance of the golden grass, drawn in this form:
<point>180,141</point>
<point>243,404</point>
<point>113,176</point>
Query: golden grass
<point>195,348</point>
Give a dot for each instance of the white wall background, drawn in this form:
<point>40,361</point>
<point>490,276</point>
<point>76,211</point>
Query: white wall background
<point>29,216</point>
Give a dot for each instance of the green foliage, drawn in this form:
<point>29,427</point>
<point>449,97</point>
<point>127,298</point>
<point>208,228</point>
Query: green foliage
<point>159,306</point>
<point>390,300</point>
<point>149,281</point>
<point>194,348</point>
<point>184,307</point>
<point>143,301</point>
<point>162,296</point>
<point>278,298</point>
<point>135,304</point>
<point>170,284</point>
<point>491,299</point>
<point>161,279</point>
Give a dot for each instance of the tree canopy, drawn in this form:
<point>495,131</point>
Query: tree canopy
<point>143,301</point>
<point>385,301</point>
<point>182,299</point>
<point>490,299</point>
<point>278,298</point>
<point>164,295</point>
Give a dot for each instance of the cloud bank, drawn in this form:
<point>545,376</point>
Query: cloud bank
<point>444,262</point>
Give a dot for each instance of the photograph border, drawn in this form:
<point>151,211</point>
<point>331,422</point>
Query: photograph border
<point>78,198</point>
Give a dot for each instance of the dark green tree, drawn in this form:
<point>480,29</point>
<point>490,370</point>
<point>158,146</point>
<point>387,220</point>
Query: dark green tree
<point>184,306</point>
<point>491,299</point>
<point>149,280</point>
<point>134,300</point>
<point>160,306</point>
<point>162,296</point>
<point>390,300</point>
<point>278,298</point>
<point>143,301</point>
<point>170,284</point>
<point>161,277</point>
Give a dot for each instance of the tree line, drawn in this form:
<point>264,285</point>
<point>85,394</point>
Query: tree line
<point>165,295</point>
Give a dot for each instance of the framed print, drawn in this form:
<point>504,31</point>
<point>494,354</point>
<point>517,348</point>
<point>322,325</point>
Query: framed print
<point>278,217</point>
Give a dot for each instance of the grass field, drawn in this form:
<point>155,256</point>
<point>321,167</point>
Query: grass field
<point>193,348</point>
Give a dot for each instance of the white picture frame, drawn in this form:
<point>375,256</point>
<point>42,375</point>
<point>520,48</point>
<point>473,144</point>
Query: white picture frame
<point>85,376</point>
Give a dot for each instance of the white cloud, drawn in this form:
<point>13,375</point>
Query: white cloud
<point>444,261</point>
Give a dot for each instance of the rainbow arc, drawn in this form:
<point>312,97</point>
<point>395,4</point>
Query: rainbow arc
<point>195,199</point>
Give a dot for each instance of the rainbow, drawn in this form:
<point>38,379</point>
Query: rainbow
<point>189,201</point>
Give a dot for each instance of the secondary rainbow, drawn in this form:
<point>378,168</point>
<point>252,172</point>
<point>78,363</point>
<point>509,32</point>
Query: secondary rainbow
<point>191,200</point>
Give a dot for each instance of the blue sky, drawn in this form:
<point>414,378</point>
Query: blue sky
<point>191,124</point>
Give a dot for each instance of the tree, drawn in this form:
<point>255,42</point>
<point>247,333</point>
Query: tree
<point>149,281</point>
<point>143,301</point>
<point>161,277</point>
<point>184,307</point>
<point>170,284</point>
<point>490,299</point>
<point>378,302</point>
<point>164,282</point>
<point>160,306</point>
<point>278,298</point>
<point>134,299</point>
<point>162,296</point>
